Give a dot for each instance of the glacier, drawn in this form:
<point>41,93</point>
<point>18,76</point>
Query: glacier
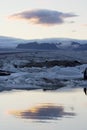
<point>45,78</point>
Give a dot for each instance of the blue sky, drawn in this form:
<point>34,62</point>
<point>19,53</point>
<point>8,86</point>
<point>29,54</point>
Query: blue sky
<point>33,19</point>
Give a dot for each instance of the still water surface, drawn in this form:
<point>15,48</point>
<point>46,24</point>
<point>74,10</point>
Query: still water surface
<point>65,109</point>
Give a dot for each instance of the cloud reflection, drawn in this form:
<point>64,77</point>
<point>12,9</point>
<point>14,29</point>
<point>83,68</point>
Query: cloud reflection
<point>43,112</point>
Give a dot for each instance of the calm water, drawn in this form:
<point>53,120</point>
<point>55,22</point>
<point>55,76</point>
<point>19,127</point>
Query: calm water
<point>43,110</point>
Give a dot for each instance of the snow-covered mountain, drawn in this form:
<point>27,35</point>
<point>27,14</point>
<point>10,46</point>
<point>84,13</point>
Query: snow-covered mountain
<point>60,43</point>
<point>55,44</point>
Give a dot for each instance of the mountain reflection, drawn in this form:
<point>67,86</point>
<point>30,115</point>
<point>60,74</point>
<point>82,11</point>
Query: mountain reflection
<point>43,112</point>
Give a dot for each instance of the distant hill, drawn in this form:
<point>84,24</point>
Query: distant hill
<point>37,46</point>
<point>43,44</point>
<point>73,45</point>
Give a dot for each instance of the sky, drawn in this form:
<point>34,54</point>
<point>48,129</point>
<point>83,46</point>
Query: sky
<point>38,19</point>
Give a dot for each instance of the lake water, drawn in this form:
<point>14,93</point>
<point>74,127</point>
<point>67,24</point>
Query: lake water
<point>64,109</point>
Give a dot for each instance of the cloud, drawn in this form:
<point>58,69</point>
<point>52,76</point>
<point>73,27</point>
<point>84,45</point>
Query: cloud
<point>43,112</point>
<point>43,16</point>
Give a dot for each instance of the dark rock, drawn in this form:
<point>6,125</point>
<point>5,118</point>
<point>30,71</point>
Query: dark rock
<point>85,74</point>
<point>64,63</point>
<point>4,73</point>
<point>52,63</point>
<point>85,91</point>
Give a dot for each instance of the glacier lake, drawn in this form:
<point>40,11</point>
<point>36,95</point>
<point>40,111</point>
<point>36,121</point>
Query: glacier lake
<point>42,90</point>
<point>64,109</point>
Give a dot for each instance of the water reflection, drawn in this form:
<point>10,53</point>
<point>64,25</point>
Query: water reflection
<point>43,112</point>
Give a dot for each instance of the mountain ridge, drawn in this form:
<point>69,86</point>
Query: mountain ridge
<point>55,43</point>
